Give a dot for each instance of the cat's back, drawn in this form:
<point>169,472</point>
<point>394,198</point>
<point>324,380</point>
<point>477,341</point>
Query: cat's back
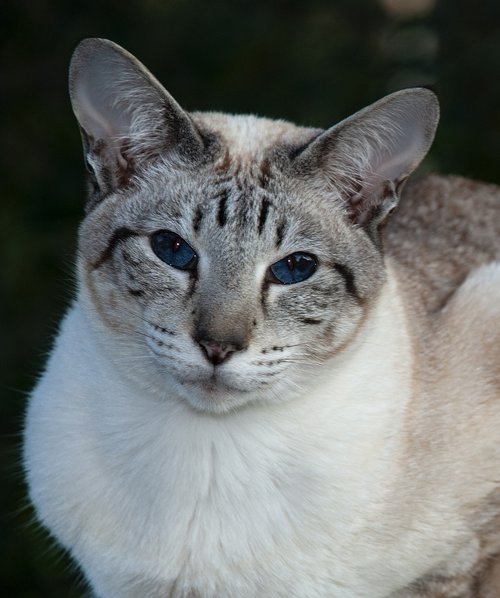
<point>444,241</point>
<point>444,228</point>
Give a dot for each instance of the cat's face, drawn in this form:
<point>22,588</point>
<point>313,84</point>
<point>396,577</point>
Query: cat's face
<point>193,262</point>
<point>226,262</point>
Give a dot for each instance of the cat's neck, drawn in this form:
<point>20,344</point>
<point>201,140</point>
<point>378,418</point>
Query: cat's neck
<point>334,449</point>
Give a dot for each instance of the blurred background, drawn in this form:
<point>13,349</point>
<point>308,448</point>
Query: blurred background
<point>311,61</point>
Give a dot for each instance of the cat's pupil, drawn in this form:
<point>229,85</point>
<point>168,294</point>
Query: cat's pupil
<point>301,263</point>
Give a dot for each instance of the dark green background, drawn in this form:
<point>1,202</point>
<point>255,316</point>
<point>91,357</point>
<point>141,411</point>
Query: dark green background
<point>313,62</point>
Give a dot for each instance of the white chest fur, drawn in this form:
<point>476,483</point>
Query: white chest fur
<point>285,500</point>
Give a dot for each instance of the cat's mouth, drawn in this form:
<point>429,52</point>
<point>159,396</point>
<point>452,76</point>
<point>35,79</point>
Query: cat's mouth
<point>213,394</point>
<point>215,386</point>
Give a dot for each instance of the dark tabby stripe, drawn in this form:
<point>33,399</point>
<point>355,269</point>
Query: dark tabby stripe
<point>264,209</point>
<point>265,173</point>
<point>350,285</point>
<point>198,215</point>
<point>310,321</point>
<point>221,214</point>
<point>120,234</point>
<point>135,292</point>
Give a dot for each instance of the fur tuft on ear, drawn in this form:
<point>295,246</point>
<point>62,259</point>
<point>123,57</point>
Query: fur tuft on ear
<point>367,157</point>
<point>126,117</point>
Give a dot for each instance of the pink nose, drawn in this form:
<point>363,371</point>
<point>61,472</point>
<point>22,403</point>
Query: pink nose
<point>216,352</point>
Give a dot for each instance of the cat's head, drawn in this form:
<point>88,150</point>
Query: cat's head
<point>231,257</point>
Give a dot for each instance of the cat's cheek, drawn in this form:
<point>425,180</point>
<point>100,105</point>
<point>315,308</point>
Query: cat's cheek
<point>103,298</point>
<point>338,335</point>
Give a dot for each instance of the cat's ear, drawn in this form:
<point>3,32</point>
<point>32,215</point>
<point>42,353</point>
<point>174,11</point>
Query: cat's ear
<point>126,117</point>
<point>368,156</point>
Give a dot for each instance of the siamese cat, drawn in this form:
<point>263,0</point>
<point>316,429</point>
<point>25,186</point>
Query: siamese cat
<point>267,385</point>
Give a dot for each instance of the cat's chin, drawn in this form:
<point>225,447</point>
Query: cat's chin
<point>213,396</point>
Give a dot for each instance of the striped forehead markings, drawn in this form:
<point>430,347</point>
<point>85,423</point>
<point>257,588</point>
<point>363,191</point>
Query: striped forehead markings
<point>198,215</point>
<point>221,212</point>
<point>238,205</point>
<point>264,209</point>
<point>264,173</point>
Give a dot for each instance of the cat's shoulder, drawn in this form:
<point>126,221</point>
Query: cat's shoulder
<point>444,228</point>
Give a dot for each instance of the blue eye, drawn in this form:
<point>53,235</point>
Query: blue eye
<point>293,268</point>
<point>173,250</point>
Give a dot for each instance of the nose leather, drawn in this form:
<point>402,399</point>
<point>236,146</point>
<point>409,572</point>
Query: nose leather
<point>218,351</point>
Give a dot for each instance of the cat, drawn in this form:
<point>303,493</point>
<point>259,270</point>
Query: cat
<point>281,374</point>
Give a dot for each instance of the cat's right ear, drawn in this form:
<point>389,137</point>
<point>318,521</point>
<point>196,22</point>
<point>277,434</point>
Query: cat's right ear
<point>126,117</point>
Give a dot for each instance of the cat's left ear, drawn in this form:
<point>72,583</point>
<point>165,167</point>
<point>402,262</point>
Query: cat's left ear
<point>367,157</point>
